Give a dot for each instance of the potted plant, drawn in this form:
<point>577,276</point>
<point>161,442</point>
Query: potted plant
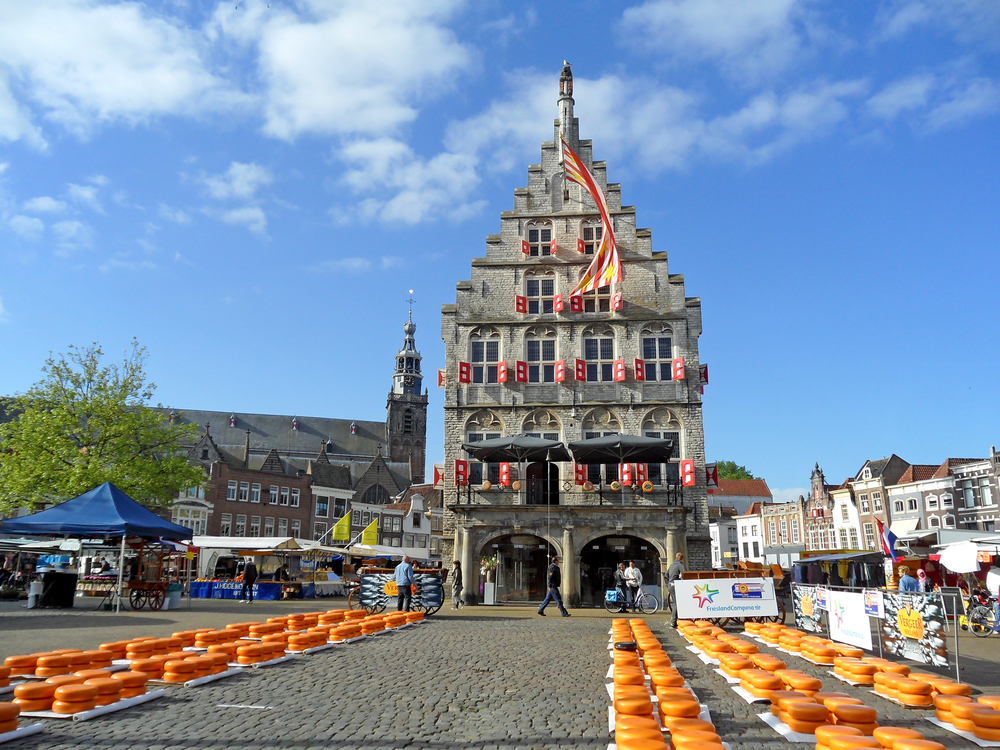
<point>488,566</point>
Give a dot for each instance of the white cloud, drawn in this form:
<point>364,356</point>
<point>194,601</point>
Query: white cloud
<point>4,316</point>
<point>979,97</point>
<point>345,68</point>
<point>98,179</point>
<point>85,195</point>
<point>789,495</point>
<point>904,95</point>
<point>44,204</point>
<point>72,234</point>
<point>4,165</point>
<point>239,181</point>
<point>391,261</point>
<point>125,262</point>
<point>27,227</point>
<point>251,217</point>
<point>79,63</point>
<point>747,39</point>
<point>971,21</point>
<point>175,215</point>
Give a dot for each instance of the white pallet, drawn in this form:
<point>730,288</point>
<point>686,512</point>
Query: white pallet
<point>100,710</point>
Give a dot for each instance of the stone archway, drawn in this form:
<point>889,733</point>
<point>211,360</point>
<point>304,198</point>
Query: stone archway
<point>600,556</point>
<point>524,558</point>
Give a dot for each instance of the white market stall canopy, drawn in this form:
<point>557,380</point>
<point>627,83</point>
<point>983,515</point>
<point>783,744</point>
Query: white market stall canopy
<point>248,542</point>
<point>381,550</point>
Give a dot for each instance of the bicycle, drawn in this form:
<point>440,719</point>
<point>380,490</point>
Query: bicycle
<point>980,617</point>
<point>645,603</point>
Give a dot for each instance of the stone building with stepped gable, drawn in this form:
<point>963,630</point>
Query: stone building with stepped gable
<point>524,356</point>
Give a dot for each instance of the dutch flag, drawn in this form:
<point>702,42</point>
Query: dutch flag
<point>888,541</point>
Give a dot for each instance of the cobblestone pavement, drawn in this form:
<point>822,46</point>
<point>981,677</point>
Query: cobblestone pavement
<point>479,678</point>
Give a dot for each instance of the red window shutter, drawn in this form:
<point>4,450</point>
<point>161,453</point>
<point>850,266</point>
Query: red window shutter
<point>552,246</point>
<point>521,372</point>
<point>461,472</point>
<point>561,371</point>
<point>640,473</point>
<point>640,370</point>
<point>521,304</point>
<point>576,303</point>
<point>619,370</point>
<point>557,303</point>
<point>464,372</point>
<point>678,366</point>
<point>524,247</point>
<point>703,375</point>
<point>581,370</point>
<point>505,474</point>
<point>579,473</point>
<point>440,378</point>
<point>626,474</point>
<point>712,476</point>
<point>580,246</point>
<point>687,472</point>
<point>617,303</point>
<point>502,372</point>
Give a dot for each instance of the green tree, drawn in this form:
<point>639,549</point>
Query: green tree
<point>84,424</point>
<point>730,470</point>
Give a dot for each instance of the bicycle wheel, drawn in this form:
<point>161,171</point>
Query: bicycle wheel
<point>648,604</point>
<point>354,598</point>
<point>981,622</point>
<point>612,606</point>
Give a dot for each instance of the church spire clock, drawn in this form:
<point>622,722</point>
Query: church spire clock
<point>406,408</point>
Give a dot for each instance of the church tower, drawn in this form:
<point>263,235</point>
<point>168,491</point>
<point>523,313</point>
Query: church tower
<point>406,408</point>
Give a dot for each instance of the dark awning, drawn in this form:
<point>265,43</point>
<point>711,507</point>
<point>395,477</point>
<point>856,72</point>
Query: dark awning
<point>622,449</point>
<point>832,558</point>
<point>517,448</point>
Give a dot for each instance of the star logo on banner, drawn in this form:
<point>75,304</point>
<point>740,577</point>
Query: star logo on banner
<point>704,594</point>
<point>839,614</point>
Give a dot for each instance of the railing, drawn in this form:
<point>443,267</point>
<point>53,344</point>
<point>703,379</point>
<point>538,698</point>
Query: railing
<point>663,496</point>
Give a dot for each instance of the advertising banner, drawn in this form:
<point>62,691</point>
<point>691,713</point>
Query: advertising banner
<point>808,616</point>
<point>379,590</point>
<point>725,597</point>
<point>821,597</point>
<point>874,606</point>
<point>848,621</point>
<point>914,627</point>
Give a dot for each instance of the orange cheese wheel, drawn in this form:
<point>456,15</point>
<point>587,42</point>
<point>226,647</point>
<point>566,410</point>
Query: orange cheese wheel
<point>100,655</point>
<point>79,660</point>
<point>637,706</point>
<point>51,671</point>
<point>41,704</point>
<point>860,668</point>
<point>75,693</point>
<point>803,727</point>
<point>626,721</point>
<point>4,672</point>
<point>105,685</point>
<point>953,688</point>
<point>803,682</point>
<point>146,665</point>
<point>681,726</point>
<point>677,694</point>
<point>885,678</point>
<point>908,699</point>
<point>777,695</point>
<point>641,744</point>
<point>107,700</point>
<point>853,714</point>
<point>918,745</point>
<point>698,745</point>
<point>845,650</point>
<point>944,716</point>
<point>135,692</point>
<point>694,735</point>
<point>986,733</point>
<point>176,678</point>
<point>993,701</point>
<point>74,707</point>
<point>964,710</point>
<point>833,702</point>
<point>9,711</point>
<point>680,709</point>
<point>846,742</point>
<point>638,733</point>
<point>758,692</point>
<point>139,647</point>
<point>986,717</point>
<point>887,735</point>
<point>628,677</point>
<point>784,701</point>
<point>20,662</point>
<point>8,726</point>
<point>894,668</point>
<point>912,687</point>
<point>60,660</point>
<point>866,729</point>
<point>805,711</point>
<point>131,679</point>
<point>179,667</point>
<point>764,680</point>
<point>89,674</point>
<point>827,731</point>
<point>667,680</point>
<point>965,725</point>
<point>66,679</point>
<point>34,691</point>
<point>945,702</point>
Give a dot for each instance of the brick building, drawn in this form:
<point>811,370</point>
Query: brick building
<point>819,528</point>
<point>870,487</point>
<point>782,525</point>
<point>524,357</point>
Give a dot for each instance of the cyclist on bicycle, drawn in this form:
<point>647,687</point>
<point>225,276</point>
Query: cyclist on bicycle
<point>633,580</point>
<point>620,588</point>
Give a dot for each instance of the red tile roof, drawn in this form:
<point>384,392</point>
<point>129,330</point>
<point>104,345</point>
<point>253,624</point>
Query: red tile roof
<point>754,509</point>
<point>917,473</point>
<point>743,488</point>
<point>945,469</point>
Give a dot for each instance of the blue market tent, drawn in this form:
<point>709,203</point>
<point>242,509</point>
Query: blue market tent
<point>103,511</point>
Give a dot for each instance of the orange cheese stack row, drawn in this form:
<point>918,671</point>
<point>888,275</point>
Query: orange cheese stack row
<point>331,617</point>
<point>907,691</point>
<point>255,653</point>
<point>395,620</point>
<point>74,699</point>
<point>345,632</point>
<point>355,614</point>
<point>306,639</point>
<point>5,676</point>
<point>981,717</point>
<point>855,670</point>
<point>372,625</point>
<point>8,717</point>
<point>414,616</point>
<point>261,629</point>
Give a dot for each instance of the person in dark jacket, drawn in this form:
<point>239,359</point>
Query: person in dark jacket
<point>554,581</point>
<point>249,579</point>
<point>673,575</point>
<point>620,588</point>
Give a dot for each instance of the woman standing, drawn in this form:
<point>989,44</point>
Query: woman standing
<point>456,585</point>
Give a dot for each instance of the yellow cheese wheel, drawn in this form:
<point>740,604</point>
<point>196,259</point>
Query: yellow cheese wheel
<point>964,725</point>
<point>803,727</point>
<point>34,691</point>
<point>986,717</point>
<point>866,729</point>
<point>680,709</point>
<point>9,711</point>
<point>66,679</point>
<point>74,707</point>
<point>150,666</point>
<point>986,733</point>
<point>860,668</point>
<point>76,693</point>
<point>135,692</point>
<point>682,739</point>
<point>638,733</point>
<point>918,745</point>
<point>51,671</point>
<point>626,721</point>
<point>911,687</point>
<point>832,703</point>
<point>40,704</point>
<point>963,710</point>
<point>845,650</point>
<point>642,744</point>
<point>953,688</point>
<point>131,679</point>
<point>90,674</point>
<point>803,683</point>
<point>824,733</point>
<point>846,742</point>
<point>637,706</point>
<point>667,680</point>
<point>783,701</point>
<point>680,726</point>
<point>21,662</point>
<point>673,693</point>
<point>629,677</point>
<point>761,679</point>
<point>179,667</point>
<point>853,714</point>
<point>908,699</point>
<point>945,702</point>
<point>805,711</point>
<point>895,668</point>
<point>887,735</point>
<point>107,700</point>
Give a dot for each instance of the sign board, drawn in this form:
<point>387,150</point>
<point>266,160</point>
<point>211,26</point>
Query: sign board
<point>808,616</point>
<point>821,597</point>
<point>725,597</point>
<point>848,620</point>
<point>874,606</point>
<point>914,627</point>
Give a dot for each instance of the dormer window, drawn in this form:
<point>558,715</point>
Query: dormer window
<point>295,423</point>
<point>232,420</point>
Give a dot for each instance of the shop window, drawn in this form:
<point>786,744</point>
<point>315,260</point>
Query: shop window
<point>319,531</point>
<point>854,538</point>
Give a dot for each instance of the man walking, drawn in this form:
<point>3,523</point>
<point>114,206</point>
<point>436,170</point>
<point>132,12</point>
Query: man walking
<point>249,579</point>
<point>554,581</point>
<point>620,588</point>
<point>633,579</point>
<point>403,575</point>
<point>674,574</point>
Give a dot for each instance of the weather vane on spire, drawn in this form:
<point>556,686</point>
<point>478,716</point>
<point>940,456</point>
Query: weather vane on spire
<point>411,301</point>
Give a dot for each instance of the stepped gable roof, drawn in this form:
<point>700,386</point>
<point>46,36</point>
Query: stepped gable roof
<point>917,473</point>
<point>945,468</point>
<point>272,463</point>
<point>742,488</point>
<point>337,476</point>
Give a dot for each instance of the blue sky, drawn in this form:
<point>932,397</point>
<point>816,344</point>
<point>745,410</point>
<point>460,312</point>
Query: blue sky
<point>251,190</point>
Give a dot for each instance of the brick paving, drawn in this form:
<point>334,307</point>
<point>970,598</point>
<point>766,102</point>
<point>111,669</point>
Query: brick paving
<point>480,678</point>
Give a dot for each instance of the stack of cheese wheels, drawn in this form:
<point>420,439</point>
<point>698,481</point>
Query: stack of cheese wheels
<point>203,665</point>
<point>752,627</point>
<point>844,650</point>
<point>790,642</point>
<point>944,703</point>
<point>332,617</point>
<point>414,616</point>
<point>912,692</point>
<point>305,640</point>
<point>273,650</point>
<point>243,628</point>
<point>108,690</point>
<point>345,632</point>
<point>34,696</point>
<point>885,684</point>
<point>372,625</point>
<point>355,614</point>
<point>767,662</point>
<point>89,674</point>
<point>178,670</point>
<point>52,664</point>
<point>985,722</point>
<point>856,671</point>
<point>74,699</point>
<point>961,712</point>
<point>323,632</point>
<point>252,653</point>
<point>229,649</point>
<point>312,619</point>
<point>282,621</point>
<point>220,662</point>
<point>860,717</point>
<point>759,683</point>
<point>151,667</point>
<point>133,683</point>
<point>261,630</point>
<point>295,622</point>
<point>771,634</point>
<point>21,665</point>
<point>802,715</point>
<point>100,658</point>
<point>186,636</point>
<point>277,638</point>
<point>884,665</point>
<point>818,653</point>
<point>207,638</point>
<point>4,676</point>
<point>887,735</point>
<point>8,717</point>
<point>828,732</point>
<point>228,635</point>
<point>116,648</point>
<point>138,650</point>
<point>777,695</point>
<point>395,620</point>
<point>744,648</point>
<point>731,664</point>
<point>629,728</point>
<point>66,679</point>
<point>800,681</point>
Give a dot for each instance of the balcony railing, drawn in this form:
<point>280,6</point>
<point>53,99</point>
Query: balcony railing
<point>670,495</point>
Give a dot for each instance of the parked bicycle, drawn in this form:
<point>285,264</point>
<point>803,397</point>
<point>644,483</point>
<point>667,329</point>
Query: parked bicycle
<point>645,603</point>
<point>979,615</point>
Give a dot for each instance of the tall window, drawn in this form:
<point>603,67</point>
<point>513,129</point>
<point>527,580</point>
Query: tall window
<point>255,492</point>
<point>844,513</point>
<point>319,531</point>
<point>746,549</point>
<point>476,471</point>
<point>968,495</point>
<point>282,527</point>
<point>541,356</point>
<point>911,503</point>
<point>870,536</point>
<point>599,352</point>
<point>269,526</point>
<point>226,525</point>
<point>985,491</point>
<point>657,353</point>
<point>366,517</point>
<point>783,526</point>
<point>854,538</point>
<point>795,531</point>
<point>244,491</point>
<point>541,294</point>
<point>408,422</point>
<point>254,525</point>
<point>284,496</point>
<point>772,532</point>
<point>539,240</point>
<point>322,507</point>
<point>273,495</point>
<point>897,506</point>
<point>231,490</point>
<point>296,528</point>
<point>485,359</point>
<point>241,525</point>
<point>732,535</point>
<point>592,234</point>
<point>949,522</point>
<point>599,301</point>
<point>397,523</point>
<point>865,505</point>
<point>756,549</point>
<point>339,507</point>
<point>295,497</point>
<point>843,538</point>
<point>947,501</point>
<point>932,502</point>
<point>877,501</point>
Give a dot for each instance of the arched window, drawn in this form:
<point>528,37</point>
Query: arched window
<point>897,506</point>
<point>599,352</point>
<point>376,495</point>
<point>483,425</point>
<point>540,292</point>
<point>539,238</point>
<point>541,423</point>
<point>591,232</point>
<point>949,522</point>
<point>540,354</point>
<point>657,352</point>
<point>663,424</point>
<point>484,346</point>
<point>600,423</point>
<point>408,422</point>
<point>599,301</point>
<point>933,522</point>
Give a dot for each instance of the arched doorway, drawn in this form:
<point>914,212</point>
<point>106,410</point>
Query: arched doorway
<point>523,561</point>
<point>601,556</point>
<point>541,492</point>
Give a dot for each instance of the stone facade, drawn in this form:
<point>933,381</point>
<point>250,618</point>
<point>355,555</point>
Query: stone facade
<point>484,328</point>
